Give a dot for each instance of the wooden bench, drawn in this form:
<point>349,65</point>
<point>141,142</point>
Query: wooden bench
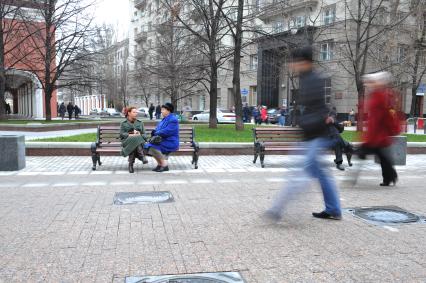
<point>275,139</point>
<point>108,141</point>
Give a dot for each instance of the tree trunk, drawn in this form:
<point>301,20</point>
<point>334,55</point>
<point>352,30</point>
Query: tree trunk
<point>213,86</point>
<point>236,79</point>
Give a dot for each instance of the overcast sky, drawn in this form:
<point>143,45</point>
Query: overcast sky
<point>116,13</point>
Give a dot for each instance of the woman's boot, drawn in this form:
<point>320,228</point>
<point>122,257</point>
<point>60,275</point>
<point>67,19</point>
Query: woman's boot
<point>131,162</point>
<point>141,154</point>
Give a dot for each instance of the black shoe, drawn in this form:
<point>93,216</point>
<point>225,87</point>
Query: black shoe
<point>349,157</point>
<point>163,169</point>
<point>156,168</point>
<point>325,215</point>
<point>131,169</point>
<point>340,167</point>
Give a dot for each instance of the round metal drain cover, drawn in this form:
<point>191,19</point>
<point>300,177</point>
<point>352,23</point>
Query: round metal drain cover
<point>386,215</point>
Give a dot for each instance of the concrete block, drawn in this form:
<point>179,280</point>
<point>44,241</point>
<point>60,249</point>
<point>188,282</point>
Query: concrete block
<point>397,151</point>
<point>12,152</point>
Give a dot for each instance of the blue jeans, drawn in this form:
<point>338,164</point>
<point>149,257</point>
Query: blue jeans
<point>313,168</point>
<point>281,120</point>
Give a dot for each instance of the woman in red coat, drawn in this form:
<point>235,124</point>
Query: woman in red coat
<point>381,124</point>
<point>264,114</point>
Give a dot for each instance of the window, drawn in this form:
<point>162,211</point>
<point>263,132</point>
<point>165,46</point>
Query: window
<point>327,51</point>
<point>219,98</point>
<point>422,59</point>
<point>327,90</point>
<point>329,14</point>
<point>402,53</point>
<point>277,27</point>
<point>300,21</point>
<point>253,62</point>
<point>202,102</point>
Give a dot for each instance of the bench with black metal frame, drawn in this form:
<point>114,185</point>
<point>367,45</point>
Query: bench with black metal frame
<point>108,141</point>
<point>276,139</point>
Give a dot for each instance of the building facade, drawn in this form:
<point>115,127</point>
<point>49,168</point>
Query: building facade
<point>24,91</point>
<point>276,27</point>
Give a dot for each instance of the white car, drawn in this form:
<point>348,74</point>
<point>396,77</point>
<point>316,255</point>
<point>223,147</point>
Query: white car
<point>223,116</point>
<point>143,112</point>
<point>113,112</point>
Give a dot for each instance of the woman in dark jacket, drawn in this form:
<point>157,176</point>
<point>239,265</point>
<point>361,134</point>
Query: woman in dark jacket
<point>164,139</point>
<point>132,136</point>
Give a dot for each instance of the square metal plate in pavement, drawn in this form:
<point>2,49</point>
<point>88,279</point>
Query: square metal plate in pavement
<point>218,277</point>
<point>121,198</point>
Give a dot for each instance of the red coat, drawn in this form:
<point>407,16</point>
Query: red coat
<point>263,114</point>
<point>380,125</point>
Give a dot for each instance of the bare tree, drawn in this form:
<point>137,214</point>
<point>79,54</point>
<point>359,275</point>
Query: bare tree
<point>205,21</point>
<point>59,42</point>
<point>417,66</point>
<point>172,64</point>
<point>366,24</point>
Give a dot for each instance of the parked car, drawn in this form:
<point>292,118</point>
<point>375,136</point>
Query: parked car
<point>223,116</point>
<point>113,112</point>
<point>99,112</point>
<point>143,112</point>
<point>273,115</point>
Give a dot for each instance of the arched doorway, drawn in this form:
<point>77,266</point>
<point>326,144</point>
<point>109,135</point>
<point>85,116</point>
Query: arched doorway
<point>26,93</point>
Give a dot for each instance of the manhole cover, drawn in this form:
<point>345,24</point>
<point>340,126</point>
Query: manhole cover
<point>220,277</point>
<point>142,197</point>
<point>385,215</point>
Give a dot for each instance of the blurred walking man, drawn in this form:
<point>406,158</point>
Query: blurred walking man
<point>314,123</point>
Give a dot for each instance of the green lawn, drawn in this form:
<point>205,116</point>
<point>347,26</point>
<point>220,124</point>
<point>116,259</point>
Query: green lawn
<point>224,133</point>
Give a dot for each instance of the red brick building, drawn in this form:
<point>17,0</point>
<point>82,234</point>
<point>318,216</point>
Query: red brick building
<point>24,62</point>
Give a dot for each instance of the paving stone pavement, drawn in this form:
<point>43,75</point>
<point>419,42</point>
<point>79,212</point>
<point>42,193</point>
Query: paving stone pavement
<point>58,223</point>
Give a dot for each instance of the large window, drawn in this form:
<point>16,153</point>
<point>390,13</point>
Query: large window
<point>327,90</point>
<point>300,21</point>
<point>329,15</point>
<point>401,53</point>
<point>277,27</point>
<point>327,51</point>
<point>253,62</point>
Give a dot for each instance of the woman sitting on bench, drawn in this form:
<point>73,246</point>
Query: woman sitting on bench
<point>164,139</point>
<point>132,136</point>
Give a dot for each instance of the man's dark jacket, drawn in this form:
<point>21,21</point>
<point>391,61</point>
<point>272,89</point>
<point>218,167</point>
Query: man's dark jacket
<point>312,97</point>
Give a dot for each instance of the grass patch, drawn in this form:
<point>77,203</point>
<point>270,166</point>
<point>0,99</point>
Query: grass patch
<point>224,133</point>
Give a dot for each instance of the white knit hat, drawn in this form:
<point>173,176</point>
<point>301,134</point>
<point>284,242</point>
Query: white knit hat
<point>384,77</point>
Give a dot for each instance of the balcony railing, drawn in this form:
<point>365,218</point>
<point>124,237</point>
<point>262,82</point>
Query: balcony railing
<point>284,7</point>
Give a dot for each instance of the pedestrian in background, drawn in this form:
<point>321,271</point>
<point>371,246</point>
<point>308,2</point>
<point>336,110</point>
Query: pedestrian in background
<point>70,110</point>
<point>383,122</point>
<point>158,112</point>
<point>77,111</point>
<point>256,115</point>
<point>283,114</point>
<point>151,111</point>
<point>246,113</point>
<point>264,115</point>
<point>351,117</point>
<point>62,110</point>
<point>340,145</point>
<point>314,123</point>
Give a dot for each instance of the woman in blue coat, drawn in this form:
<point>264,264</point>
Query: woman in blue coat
<point>164,139</point>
